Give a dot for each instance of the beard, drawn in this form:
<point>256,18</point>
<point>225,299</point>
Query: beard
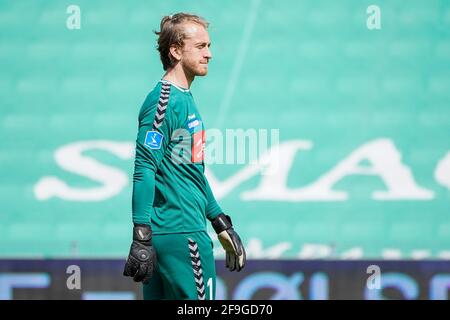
<point>194,68</point>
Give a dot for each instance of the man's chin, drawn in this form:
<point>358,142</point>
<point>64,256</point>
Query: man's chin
<point>202,73</point>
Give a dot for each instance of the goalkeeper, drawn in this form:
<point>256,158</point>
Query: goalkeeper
<point>171,252</point>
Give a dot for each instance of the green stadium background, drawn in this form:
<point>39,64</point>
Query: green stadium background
<point>312,69</point>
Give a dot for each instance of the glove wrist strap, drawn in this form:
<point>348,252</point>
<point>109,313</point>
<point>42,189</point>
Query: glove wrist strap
<point>221,223</point>
<point>142,233</point>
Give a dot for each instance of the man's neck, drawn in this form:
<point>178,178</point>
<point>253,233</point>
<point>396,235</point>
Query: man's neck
<point>178,77</point>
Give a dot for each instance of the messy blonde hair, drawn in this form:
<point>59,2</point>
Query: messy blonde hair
<point>172,33</point>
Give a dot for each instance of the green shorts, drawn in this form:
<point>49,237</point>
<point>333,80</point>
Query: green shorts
<point>185,268</point>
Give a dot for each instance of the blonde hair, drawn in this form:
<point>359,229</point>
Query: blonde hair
<point>172,33</point>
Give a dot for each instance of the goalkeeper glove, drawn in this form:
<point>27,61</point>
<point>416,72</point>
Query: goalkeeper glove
<point>141,260</point>
<point>235,253</point>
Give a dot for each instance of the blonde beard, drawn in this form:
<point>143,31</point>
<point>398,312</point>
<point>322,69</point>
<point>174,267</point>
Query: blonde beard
<point>195,71</point>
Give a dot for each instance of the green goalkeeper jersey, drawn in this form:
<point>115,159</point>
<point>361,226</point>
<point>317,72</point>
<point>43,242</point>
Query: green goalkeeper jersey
<point>170,190</point>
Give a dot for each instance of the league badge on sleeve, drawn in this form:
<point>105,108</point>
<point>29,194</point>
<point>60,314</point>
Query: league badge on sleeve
<point>153,140</point>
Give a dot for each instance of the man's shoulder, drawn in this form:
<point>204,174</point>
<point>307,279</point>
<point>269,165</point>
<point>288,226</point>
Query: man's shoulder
<point>175,102</point>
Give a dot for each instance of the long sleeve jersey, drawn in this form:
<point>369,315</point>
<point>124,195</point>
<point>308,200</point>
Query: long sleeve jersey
<point>170,190</point>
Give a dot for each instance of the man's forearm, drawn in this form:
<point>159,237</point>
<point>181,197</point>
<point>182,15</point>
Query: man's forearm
<point>143,194</point>
<point>212,209</point>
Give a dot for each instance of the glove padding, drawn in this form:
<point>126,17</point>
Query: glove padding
<point>235,257</point>
<point>141,260</point>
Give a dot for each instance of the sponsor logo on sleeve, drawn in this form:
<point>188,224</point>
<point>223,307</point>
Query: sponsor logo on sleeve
<point>153,139</point>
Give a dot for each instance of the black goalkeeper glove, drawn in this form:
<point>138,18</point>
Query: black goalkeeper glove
<point>235,253</point>
<point>142,258</point>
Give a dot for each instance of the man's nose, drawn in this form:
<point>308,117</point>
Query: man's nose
<point>208,54</point>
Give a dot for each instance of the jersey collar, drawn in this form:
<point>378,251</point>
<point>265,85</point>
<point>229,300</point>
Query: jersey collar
<point>179,88</point>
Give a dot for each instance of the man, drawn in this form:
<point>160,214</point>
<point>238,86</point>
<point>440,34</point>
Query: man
<point>171,252</point>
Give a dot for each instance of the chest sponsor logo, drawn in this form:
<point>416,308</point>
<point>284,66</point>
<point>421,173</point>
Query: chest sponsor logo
<point>198,147</point>
<point>193,124</point>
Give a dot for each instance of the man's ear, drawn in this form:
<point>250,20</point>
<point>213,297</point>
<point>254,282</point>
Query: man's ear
<point>175,53</point>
